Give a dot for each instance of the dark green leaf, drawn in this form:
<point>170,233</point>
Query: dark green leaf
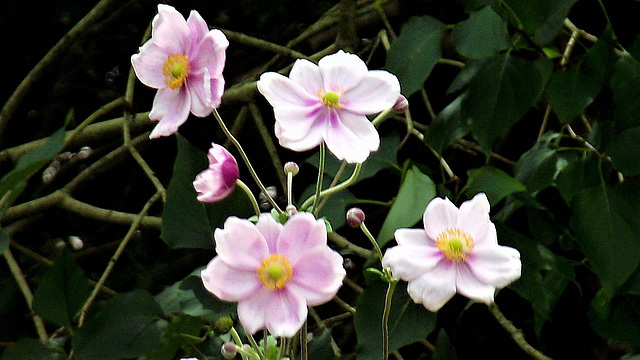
<point>634,49</point>
<point>4,241</point>
<point>541,19</point>
<point>182,332</point>
<point>30,349</point>
<point>617,318</point>
<point>502,91</point>
<point>408,322</point>
<point>415,52</point>
<point>537,167</point>
<point>472,5</point>
<point>482,35</point>
<point>62,291</point>
<point>129,325</point>
<point>494,182</point>
<point>449,126</point>
<point>625,151</point>
<point>320,346</point>
<point>416,191</point>
<point>444,348</point>
<point>625,84</point>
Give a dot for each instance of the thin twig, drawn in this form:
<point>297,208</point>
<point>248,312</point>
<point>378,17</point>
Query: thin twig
<point>343,243</point>
<point>516,334</point>
<point>263,44</point>
<point>105,109</point>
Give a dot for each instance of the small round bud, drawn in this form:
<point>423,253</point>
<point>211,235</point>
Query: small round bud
<point>401,105</point>
<point>84,152</point>
<point>292,168</point>
<point>75,242</point>
<point>291,210</point>
<point>60,244</point>
<point>55,164</point>
<point>265,206</point>
<point>47,175</point>
<point>355,217</point>
<point>271,190</point>
<point>223,325</point>
<point>229,350</point>
<point>348,264</point>
<point>65,156</point>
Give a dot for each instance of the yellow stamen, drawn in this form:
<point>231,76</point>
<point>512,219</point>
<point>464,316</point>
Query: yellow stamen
<point>330,98</point>
<point>175,70</point>
<point>274,271</point>
<point>455,244</point>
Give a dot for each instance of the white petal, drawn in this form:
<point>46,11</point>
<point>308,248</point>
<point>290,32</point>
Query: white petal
<point>279,90</point>
<point>362,128</point>
<point>301,233</point>
<point>416,237</point>
<point>296,121</point>
<point>286,312</point>
<point>148,65</point>
<point>307,74</point>
<point>474,219</point>
<point>170,30</point>
<point>200,100</point>
<point>240,244</point>
<point>440,215</point>
<point>270,230</point>
<point>434,288</point>
<point>228,283</point>
<point>171,108</point>
<point>252,311</point>
<point>378,91</point>
<point>310,141</point>
<point>197,26</point>
<point>317,275</point>
<point>409,261</point>
<point>342,71</point>
<point>470,286</point>
<point>343,143</point>
<point>495,265</point>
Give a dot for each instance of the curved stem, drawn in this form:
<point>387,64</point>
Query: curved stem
<point>378,119</point>
<point>246,160</point>
<point>366,231</point>
<point>385,319</point>
<point>516,334</point>
<point>316,198</point>
<point>333,190</point>
<point>252,198</point>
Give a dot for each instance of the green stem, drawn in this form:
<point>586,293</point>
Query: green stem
<point>254,344</point>
<point>316,198</point>
<point>252,198</point>
<point>385,319</point>
<point>289,189</point>
<point>366,231</point>
<point>236,338</point>
<point>303,342</point>
<point>246,160</point>
<point>336,188</point>
<point>378,119</point>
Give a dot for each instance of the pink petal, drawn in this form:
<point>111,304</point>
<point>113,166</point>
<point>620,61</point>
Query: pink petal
<point>296,121</point>
<point>313,138</point>
<point>270,230</point>
<point>469,285</point>
<point>209,53</point>
<point>148,65</point>
<point>439,216</point>
<point>199,88</point>
<point>378,91</point>
<point>170,30</point>
<point>307,74</point>
<point>253,310</point>
<point>211,186</point>
<point>317,275</point>
<point>240,244</point>
<point>474,219</point>
<point>495,265</point>
<point>342,71</point>
<point>409,262</point>
<point>229,283</point>
<point>171,108</point>
<point>217,89</point>
<point>417,237</point>
<point>343,143</point>
<point>301,233</point>
<point>279,90</point>
<point>197,27</point>
<point>362,128</point>
<point>434,288</point>
<point>286,312</point>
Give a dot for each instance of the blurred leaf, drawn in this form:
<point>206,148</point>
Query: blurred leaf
<point>129,325</point>
<point>408,322</point>
<point>625,152</point>
<point>537,167</point>
<point>449,126</point>
<point>495,183</point>
<point>4,241</point>
<point>320,346</point>
<point>617,318</point>
<point>625,84</point>
<point>541,19</point>
<point>415,52</point>
<point>30,349</point>
<point>606,224</point>
<point>634,49</point>
<point>182,331</point>
<point>415,192</point>
<point>62,292</point>
<point>482,35</point>
<point>444,349</point>
<point>472,5</point>
<point>502,91</point>
<point>187,222</point>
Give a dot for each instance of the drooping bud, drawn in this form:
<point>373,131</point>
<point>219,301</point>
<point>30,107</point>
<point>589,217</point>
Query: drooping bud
<point>229,350</point>
<point>223,325</point>
<point>401,105</point>
<point>292,168</point>
<point>355,217</point>
<point>75,242</point>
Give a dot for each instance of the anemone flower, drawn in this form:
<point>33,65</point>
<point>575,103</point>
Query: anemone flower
<point>219,179</point>
<point>328,102</point>
<point>457,251</point>
<point>273,271</point>
<point>184,61</point>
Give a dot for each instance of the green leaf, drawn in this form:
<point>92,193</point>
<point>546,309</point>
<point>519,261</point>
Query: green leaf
<point>320,346</point>
<point>62,291</point>
<point>30,349</point>
<point>482,35</point>
<point>537,167</point>
<point>4,241</point>
<point>625,84</point>
<point>495,183</point>
<point>415,192</point>
<point>415,52</point>
<point>607,227</point>
<point>541,19</point>
<point>625,151</point>
<point>502,91</point>
<point>129,325</point>
<point>335,209</point>
<point>408,322</point>
<point>182,332</point>
<point>449,126</point>
<point>444,348</point>
<point>617,318</point>
<point>187,222</point>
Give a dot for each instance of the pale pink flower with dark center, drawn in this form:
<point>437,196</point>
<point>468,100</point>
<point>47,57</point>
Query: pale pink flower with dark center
<point>457,251</point>
<point>328,102</point>
<point>274,271</point>
<point>184,61</point>
<point>219,179</point>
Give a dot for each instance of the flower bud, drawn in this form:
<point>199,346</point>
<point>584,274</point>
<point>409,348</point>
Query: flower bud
<point>223,325</point>
<point>75,242</point>
<point>219,180</point>
<point>271,191</point>
<point>84,152</point>
<point>229,350</point>
<point>355,217</point>
<point>292,168</point>
<point>401,105</point>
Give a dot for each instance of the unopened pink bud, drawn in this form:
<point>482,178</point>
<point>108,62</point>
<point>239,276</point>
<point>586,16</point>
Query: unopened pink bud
<point>292,168</point>
<point>229,350</point>
<point>355,217</point>
<point>401,105</point>
<point>84,152</point>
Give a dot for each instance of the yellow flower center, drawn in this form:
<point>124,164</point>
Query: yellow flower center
<point>274,271</point>
<point>455,244</point>
<point>330,98</point>
<point>175,70</point>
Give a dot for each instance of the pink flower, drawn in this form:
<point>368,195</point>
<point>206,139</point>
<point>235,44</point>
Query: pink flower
<point>218,181</point>
<point>273,271</point>
<point>457,251</point>
<point>328,102</point>
<point>184,61</point>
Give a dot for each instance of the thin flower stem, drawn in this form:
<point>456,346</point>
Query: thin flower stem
<point>265,336</point>
<point>385,319</point>
<point>335,189</point>
<point>252,198</point>
<point>316,197</point>
<point>107,271</point>
<point>246,160</point>
<point>289,189</point>
<point>303,342</point>
<point>336,177</point>
<point>378,119</point>
<point>366,231</point>
<point>26,292</point>
<point>516,334</point>
<point>254,344</point>
<point>236,338</point>
<point>343,243</point>
<point>268,142</point>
